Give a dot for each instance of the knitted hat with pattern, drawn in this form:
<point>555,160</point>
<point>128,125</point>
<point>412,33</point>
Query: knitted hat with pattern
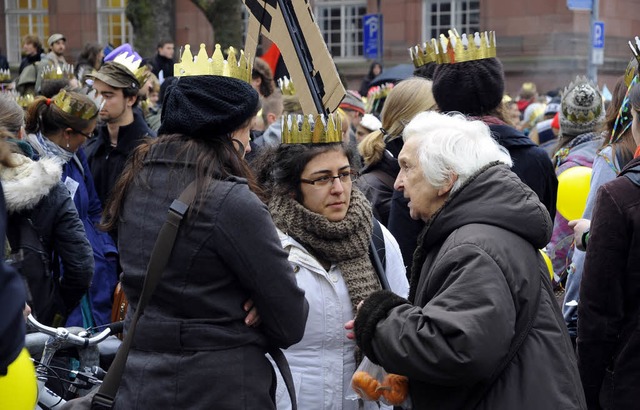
<point>582,107</point>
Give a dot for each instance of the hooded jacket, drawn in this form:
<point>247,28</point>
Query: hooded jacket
<point>477,274</point>
<point>33,190</point>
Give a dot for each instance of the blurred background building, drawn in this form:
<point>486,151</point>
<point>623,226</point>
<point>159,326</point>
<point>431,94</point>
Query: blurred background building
<point>540,41</point>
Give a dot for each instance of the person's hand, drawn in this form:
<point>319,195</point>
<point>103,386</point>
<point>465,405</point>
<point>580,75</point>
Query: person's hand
<point>26,311</point>
<point>253,317</point>
<point>351,324</point>
<point>579,227</point>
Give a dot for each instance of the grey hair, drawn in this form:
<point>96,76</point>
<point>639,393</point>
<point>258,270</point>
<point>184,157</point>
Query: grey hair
<point>451,144</point>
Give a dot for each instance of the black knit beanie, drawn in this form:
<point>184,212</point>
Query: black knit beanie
<point>470,87</point>
<point>207,106</point>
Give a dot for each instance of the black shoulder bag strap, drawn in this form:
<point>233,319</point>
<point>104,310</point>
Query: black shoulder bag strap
<point>104,398</point>
<point>377,254</point>
<point>522,331</point>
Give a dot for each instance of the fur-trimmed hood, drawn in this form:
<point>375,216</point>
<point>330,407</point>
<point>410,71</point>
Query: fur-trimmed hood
<point>26,184</point>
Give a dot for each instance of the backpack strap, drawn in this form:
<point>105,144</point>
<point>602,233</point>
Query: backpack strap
<point>377,254</point>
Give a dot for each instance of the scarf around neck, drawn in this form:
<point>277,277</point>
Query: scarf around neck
<point>47,148</point>
<point>345,242</point>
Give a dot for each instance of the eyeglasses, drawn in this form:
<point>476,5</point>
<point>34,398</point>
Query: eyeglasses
<point>347,176</point>
<point>89,135</point>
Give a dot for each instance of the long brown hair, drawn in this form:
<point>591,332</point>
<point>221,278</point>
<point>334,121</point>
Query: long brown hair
<point>215,158</point>
<point>623,142</point>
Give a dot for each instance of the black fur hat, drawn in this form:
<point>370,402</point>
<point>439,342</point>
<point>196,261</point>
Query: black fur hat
<point>470,87</point>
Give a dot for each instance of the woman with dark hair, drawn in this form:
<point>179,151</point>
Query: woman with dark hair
<point>608,337</point>
<point>325,225</point>
<point>375,69</point>
<point>36,197</point>
<point>195,346</point>
<point>90,59</point>
<point>616,151</point>
<point>60,134</point>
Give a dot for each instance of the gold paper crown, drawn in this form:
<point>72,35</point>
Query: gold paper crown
<point>376,94</point>
<point>5,76</point>
<point>23,101</point>
<point>142,75</point>
<point>80,109</point>
<point>286,85</point>
<point>233,66</point>
<point>297,129</point>
<point>422,54</point>
<point>457,49</point>
<point>58,72</point>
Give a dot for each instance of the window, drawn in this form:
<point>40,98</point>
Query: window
<point>340,23</point>
<point>25,17</point>
<point>442,15</point>
<point>113,26</point>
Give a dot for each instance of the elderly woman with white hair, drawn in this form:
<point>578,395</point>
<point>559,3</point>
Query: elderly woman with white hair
<point>481,328</point>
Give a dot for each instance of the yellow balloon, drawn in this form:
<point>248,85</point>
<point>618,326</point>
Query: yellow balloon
<point>573,189</point>
<point>18,389</point>
<point>547,260</point>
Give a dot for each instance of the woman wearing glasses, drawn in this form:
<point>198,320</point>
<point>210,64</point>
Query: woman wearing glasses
<point>325,225</point>
<point>58,127</point>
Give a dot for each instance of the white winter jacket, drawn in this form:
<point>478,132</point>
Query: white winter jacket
<point>323,362</point>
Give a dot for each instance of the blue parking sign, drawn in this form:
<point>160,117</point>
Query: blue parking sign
<point>372,35</point>
<point>598,34</point>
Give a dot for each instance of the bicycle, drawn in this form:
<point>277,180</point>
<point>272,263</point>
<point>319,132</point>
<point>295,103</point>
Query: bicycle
<point>83,380</point>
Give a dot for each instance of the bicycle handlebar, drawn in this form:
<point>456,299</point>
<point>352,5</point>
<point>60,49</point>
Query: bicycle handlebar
<point>62,333</point>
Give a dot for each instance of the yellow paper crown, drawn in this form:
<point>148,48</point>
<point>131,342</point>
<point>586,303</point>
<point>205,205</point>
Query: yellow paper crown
<point>457,49</point>
<point>58,72</point>
<point>297,129</point>
<point>232,66</point>
<point>422,54</point>
<point>375,95</point>
<point>286,85</point>
<point>5,76</point>
<point>80,109</point>
<point>24,101</point>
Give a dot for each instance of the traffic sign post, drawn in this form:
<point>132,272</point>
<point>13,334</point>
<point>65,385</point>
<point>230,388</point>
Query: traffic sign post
<point>372,36</point>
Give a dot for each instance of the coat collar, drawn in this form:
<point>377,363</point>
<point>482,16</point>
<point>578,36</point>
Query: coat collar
<point>29,182</point>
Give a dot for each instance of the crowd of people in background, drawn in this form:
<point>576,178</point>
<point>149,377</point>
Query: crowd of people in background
<point>460,184</point>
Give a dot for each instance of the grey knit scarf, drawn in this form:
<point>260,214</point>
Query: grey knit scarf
<point>345,242</point>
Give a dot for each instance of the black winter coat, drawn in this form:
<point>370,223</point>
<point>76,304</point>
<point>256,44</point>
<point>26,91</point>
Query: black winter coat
<point>609,309</point>
<point>107,162</point>
<point>376,183</point>
<point>12,295</point>
<point>478,278</point>
<point>33,189</point>
<point>192,349</point>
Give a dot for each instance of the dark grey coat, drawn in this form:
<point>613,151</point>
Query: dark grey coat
<point>192,349</point>
<point>477,272</point>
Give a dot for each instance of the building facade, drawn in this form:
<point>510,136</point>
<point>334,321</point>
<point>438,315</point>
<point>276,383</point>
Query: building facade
<point>540,41</point>
<point>86,21</point>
